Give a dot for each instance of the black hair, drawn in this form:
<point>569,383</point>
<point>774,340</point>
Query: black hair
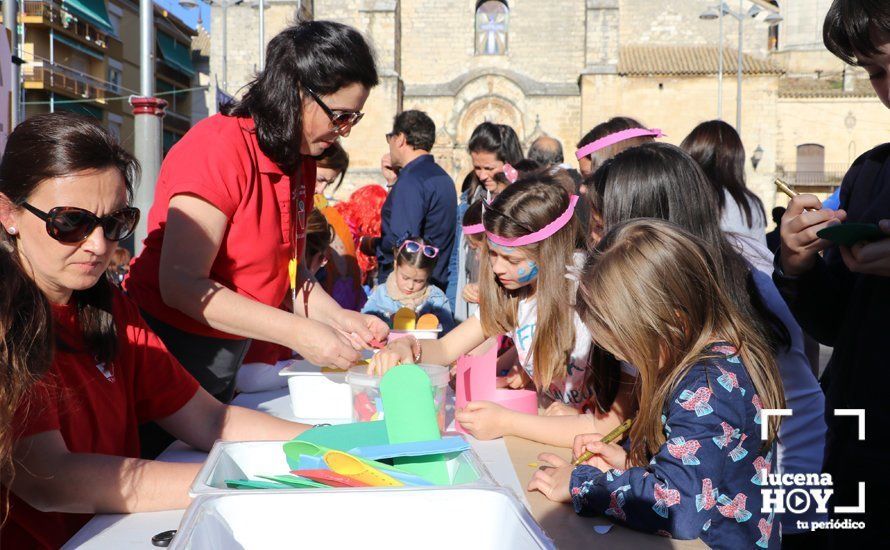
<point>499,139</point>
<point>418,128</point>
<point>849,24</point>
<point>777,213</point>
<point>321,55</point>
<point>336,158</point>
<point>718,149</point>
<point>546,151</point>
<point>414,259</point>
<point>659,180</point>
<point>473,215</point>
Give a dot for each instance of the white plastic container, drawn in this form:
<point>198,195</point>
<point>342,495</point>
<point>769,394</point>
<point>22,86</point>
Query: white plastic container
<point>449,519</point>
<point>318,395</point>
<point>366,403</point>
<point>251,459</point>
<point>419,334</point>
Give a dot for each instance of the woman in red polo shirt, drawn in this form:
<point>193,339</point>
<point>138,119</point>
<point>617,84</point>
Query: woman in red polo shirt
<point>64,191</point>
<point>230,211</point>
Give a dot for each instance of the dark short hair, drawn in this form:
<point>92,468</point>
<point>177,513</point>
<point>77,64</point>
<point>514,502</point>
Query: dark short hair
<point>546,155</point>
<point>848,24</point>
<point>321,55</point>
<point>418,128</point>
<point>778,212</point>
<point>336,158</point>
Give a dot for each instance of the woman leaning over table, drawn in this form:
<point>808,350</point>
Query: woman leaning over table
<point>230,212</point>
<point>65,187</point>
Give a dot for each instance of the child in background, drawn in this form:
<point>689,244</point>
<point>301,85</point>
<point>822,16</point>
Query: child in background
<point>330,169</point>
<point>468,279</point>
<point>525,293</point>
<point>408,285</point>
<point>119,265</point>
<point>264,360</point>
<point>695,460</point>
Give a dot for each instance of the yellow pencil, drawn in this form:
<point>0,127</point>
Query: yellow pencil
<point>610,437</point>
<point>785,188</point>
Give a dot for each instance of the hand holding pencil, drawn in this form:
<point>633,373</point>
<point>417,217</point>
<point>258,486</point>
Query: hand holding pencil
<point>586,441</point>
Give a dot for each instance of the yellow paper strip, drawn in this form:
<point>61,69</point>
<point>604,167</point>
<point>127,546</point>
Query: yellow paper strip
<point>347,465</point>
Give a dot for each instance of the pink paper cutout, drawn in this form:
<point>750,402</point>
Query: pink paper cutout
<point>477,381</point>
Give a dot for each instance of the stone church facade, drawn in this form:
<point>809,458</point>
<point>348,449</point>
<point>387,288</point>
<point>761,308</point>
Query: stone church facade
<point>561,66</point>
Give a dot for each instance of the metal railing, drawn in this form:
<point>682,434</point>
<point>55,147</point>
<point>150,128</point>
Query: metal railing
<point>830,176</point>
<point>53,15</point>
<point>63,80</point>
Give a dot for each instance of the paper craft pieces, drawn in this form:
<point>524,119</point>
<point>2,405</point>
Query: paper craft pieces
<point>291,481</point>
<point>253,484</point>
<point>404,319</point>
<point>477,381</point>
<point>343,437</point>
<point>410,417</point>
<point>329,478</point>
<point>427,321</point>
<point>353,468</point>
<point>454,444</point>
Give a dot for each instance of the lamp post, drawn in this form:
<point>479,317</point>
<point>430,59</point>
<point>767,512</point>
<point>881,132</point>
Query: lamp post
<point>717,12</point>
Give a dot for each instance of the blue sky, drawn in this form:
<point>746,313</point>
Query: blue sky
<point>189,16</point>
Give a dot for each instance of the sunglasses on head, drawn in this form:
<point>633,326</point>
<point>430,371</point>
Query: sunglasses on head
<point>343,121</point>
<point>413,247</point>
<point>72,225</point>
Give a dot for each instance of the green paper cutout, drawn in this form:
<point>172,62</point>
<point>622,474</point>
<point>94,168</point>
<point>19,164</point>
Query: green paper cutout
<point>407,395</point>
<point>848,234</point>
<point>296,481</point>
<point>253,484</point>
<point>344,437</point>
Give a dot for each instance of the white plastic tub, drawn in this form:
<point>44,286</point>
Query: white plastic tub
<point>317,395</point>
<point>366,403</point>
<point>367,519</point>
<point>251,459</point>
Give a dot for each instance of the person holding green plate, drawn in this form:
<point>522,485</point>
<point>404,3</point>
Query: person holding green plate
<point>842,298</point>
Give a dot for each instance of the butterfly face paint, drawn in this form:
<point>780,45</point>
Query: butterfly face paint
<point>528,273</point>
<point>511,266</point>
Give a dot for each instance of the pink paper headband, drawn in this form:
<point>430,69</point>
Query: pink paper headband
<point>617,137</point>
<point>540,234</point>
<point>473,229</point>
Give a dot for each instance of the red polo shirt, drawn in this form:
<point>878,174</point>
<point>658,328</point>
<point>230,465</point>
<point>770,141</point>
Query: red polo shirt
<point>220,161</point>
<point>96,407</point>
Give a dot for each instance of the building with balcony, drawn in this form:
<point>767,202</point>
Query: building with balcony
<point>83,56</point>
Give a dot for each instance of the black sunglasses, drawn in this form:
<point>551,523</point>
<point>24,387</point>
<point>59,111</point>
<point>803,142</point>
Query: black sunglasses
<point>342,120</point>
<point>71,225</point>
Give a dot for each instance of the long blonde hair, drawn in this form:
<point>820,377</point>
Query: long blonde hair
<point>650,296</point>
<point>523,208</point>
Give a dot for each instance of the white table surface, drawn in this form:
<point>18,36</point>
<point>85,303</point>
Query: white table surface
<point>136,530</point>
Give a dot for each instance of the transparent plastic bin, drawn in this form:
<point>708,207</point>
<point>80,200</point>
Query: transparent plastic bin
<point>451,519</point>
<point>250,459</point>
<point>367,405</point>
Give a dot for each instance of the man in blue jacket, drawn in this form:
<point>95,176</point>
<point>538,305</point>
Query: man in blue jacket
<point>423,200</point>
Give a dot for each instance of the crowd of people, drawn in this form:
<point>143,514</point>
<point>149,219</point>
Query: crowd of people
<point>642,285</point>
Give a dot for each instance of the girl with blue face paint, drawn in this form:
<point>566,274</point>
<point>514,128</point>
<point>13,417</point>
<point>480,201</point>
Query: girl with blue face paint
<point>526,293</point>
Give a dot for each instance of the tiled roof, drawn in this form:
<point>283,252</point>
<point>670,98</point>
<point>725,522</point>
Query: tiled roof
<point>823,87</point>
<point>638,60</point>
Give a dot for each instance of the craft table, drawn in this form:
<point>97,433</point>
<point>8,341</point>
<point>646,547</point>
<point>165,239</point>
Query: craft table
<point>507,460</point>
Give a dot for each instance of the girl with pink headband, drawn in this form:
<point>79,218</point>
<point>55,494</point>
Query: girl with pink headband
<point>526,292</point>
<point>608,139</point>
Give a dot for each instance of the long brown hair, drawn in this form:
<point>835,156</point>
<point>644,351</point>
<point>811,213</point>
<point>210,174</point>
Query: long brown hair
<point>718,149</point>
<point>523,208</point>
<point>41,148</point>
<point>650,295</point>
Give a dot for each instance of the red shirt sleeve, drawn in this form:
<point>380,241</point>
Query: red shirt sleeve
<point>161,386</point>
<point>208,167</point>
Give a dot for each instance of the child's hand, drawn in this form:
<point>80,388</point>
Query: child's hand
<point>558,408</point>
<point>470,293</point>
<point>395,353</point>
<point>484,419</point>
<point>605,455</point>
<point>553,478</point>
<point>516,379</point>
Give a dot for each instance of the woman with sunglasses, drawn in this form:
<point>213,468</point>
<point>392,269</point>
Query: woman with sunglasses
<point>408,286</point>
<point>65,187</point>
<point>228,223</point>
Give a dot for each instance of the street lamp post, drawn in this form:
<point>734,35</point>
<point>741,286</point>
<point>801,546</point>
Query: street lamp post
<point>717,12</point>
